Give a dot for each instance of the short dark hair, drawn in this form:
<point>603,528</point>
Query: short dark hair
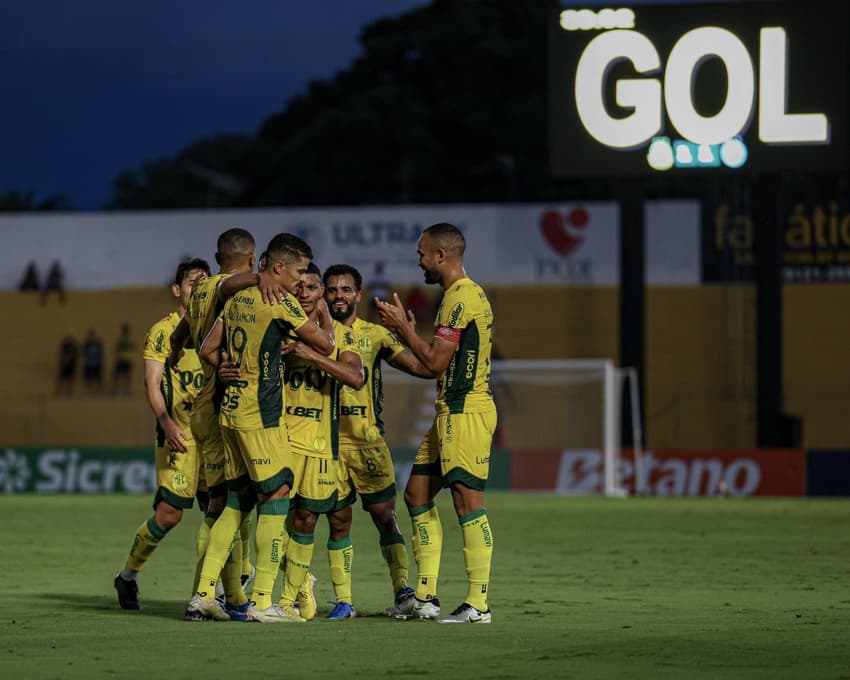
<point>313,268</point>
<point>233,243</point>
<point>288,248</point>
<point>341,270</point>
<point>186,266</point>
<point>448,236</point>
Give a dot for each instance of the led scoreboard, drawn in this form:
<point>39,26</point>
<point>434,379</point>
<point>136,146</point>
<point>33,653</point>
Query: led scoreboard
<point>739,87</point>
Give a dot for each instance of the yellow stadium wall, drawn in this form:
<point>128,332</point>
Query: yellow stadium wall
<point>700,362</point>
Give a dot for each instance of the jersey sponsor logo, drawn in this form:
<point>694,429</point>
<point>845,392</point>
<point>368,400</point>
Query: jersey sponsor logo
<point>353,411</point>
<point>297,312</point>
<point>190,379</point>
<point>348,340</point>
<point>455,315</point>
<point>159,342</point>
<point>471,362</point>
<point>305,412</point>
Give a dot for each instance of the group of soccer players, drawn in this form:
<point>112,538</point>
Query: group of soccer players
<point>285,406</point>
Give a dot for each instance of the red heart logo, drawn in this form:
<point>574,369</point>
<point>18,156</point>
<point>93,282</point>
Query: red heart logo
<point>556,234</point>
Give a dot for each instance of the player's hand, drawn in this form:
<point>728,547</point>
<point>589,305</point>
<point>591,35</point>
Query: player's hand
<point>301,350</point>
<point>394,316</point>
<point>271,291</point>
<point>174,357</point>
<point>175,438</point>
<point>228,371</point>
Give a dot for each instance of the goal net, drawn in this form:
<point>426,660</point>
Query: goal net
<point>564,404</point>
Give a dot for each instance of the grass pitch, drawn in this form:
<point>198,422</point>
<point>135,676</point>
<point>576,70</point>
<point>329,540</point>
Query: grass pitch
<point>581,588</point>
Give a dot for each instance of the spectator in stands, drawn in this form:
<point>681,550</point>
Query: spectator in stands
<point>125,352</point>
<point>379,288</point>
<point>68,352</point>
<point>55,283</point>
<point>93,363</point>
<point>30,279</point>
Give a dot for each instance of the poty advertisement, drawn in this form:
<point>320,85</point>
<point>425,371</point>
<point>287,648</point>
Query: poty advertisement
<point>733,473</point>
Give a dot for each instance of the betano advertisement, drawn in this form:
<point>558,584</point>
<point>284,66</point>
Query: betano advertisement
<point>743,473</point>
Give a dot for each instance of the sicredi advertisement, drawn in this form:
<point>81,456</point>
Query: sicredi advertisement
<point>698,88</point>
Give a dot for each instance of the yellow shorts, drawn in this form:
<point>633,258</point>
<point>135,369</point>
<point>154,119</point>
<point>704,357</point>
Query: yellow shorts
<point>367,471</point>
<point>263,455</point>
<point>457,448</point>
<point>207,433</point>
<point>177,476</point>
<point>316,483</point>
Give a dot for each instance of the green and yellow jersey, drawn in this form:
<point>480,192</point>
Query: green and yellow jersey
<point>254,332</point>
<point>312,401</point>
<point>181,385</point>
<point>204,308</point>
<point>360,410</point>
<point>466,318</point>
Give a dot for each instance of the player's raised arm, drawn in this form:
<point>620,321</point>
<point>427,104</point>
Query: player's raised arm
<point>348,369</point>
<point>209,350</point>
<point>406,361</point>
<point>434,357</point>
<point>320,337</point>
<point>181,337</point>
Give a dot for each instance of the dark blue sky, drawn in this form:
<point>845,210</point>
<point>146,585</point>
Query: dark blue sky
<point>95,87</point>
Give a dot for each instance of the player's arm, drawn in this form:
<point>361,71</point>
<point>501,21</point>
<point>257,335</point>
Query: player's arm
<point>406,361</point>
<point>181,337</point>
<point>436,356</point>
<point>270,290</point>
<point>348,369</point>
<point>209,350</point>
<point>174,436</point>
<point>321,337</point>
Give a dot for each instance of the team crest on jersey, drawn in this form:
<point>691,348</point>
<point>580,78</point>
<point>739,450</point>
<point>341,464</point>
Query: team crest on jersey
<point>179,481</point>
<point>159,343</point>
<point>365,344</point>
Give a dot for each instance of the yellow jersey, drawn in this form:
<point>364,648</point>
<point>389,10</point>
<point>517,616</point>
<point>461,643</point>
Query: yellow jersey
<point>254,332</point>
<point>204,308</point>
<point>360,410</point>
<point>466,318</point>
<point>181,385</point>
<point>311,404</point>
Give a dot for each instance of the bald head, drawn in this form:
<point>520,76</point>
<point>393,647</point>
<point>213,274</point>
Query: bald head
<point>448,237</point>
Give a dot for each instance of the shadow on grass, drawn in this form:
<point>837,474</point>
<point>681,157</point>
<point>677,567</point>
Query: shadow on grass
<point>166,609</point>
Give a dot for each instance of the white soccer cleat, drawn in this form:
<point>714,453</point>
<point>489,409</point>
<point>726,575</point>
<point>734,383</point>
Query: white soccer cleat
<point>466,613</point>
<point>415,608</point>
<point>273,614</point>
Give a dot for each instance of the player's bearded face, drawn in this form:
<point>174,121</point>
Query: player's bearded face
<point>341,296</point>
<point>428,259</point>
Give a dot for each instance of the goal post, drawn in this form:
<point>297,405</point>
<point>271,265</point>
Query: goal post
<point>561,404</point>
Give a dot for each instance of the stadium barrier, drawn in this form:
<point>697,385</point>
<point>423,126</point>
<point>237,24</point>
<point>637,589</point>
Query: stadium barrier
<point>733,473</point>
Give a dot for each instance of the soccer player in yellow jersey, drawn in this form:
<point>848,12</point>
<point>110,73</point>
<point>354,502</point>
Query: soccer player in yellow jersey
<point>259,465</point>
<point>170,394</point>
<point>235,255</point>
<point>455,452</point>
<point>312,385</point>
<point>365,463</point>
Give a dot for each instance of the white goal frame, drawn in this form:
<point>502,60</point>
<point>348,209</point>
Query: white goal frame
<point>613,379</point>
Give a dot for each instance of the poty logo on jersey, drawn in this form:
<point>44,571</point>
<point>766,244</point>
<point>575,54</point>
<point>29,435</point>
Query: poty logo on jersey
<point>14,472</point>
<point>559,229</point>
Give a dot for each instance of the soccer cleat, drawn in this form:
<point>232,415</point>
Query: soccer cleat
<point>342,610</point>
<point>128,593</point>
<point>237,612</point>
<point>248,579</point>
<point>273,614</point>
<point>198,610</point>
<point>306,600</point>
<point>466,613</point>
<point>414,608</point>
<point>403,602</point>
<point>219,594</point>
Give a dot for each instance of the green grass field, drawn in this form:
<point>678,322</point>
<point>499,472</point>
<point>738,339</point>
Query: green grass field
<point>581,588</point>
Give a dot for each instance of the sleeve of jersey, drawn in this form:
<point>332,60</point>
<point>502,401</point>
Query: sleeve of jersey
<point>292,312</point>
<point>391,343</point>
<point>157,343</point>
<point>346,341</point>
<point>453,317</point>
